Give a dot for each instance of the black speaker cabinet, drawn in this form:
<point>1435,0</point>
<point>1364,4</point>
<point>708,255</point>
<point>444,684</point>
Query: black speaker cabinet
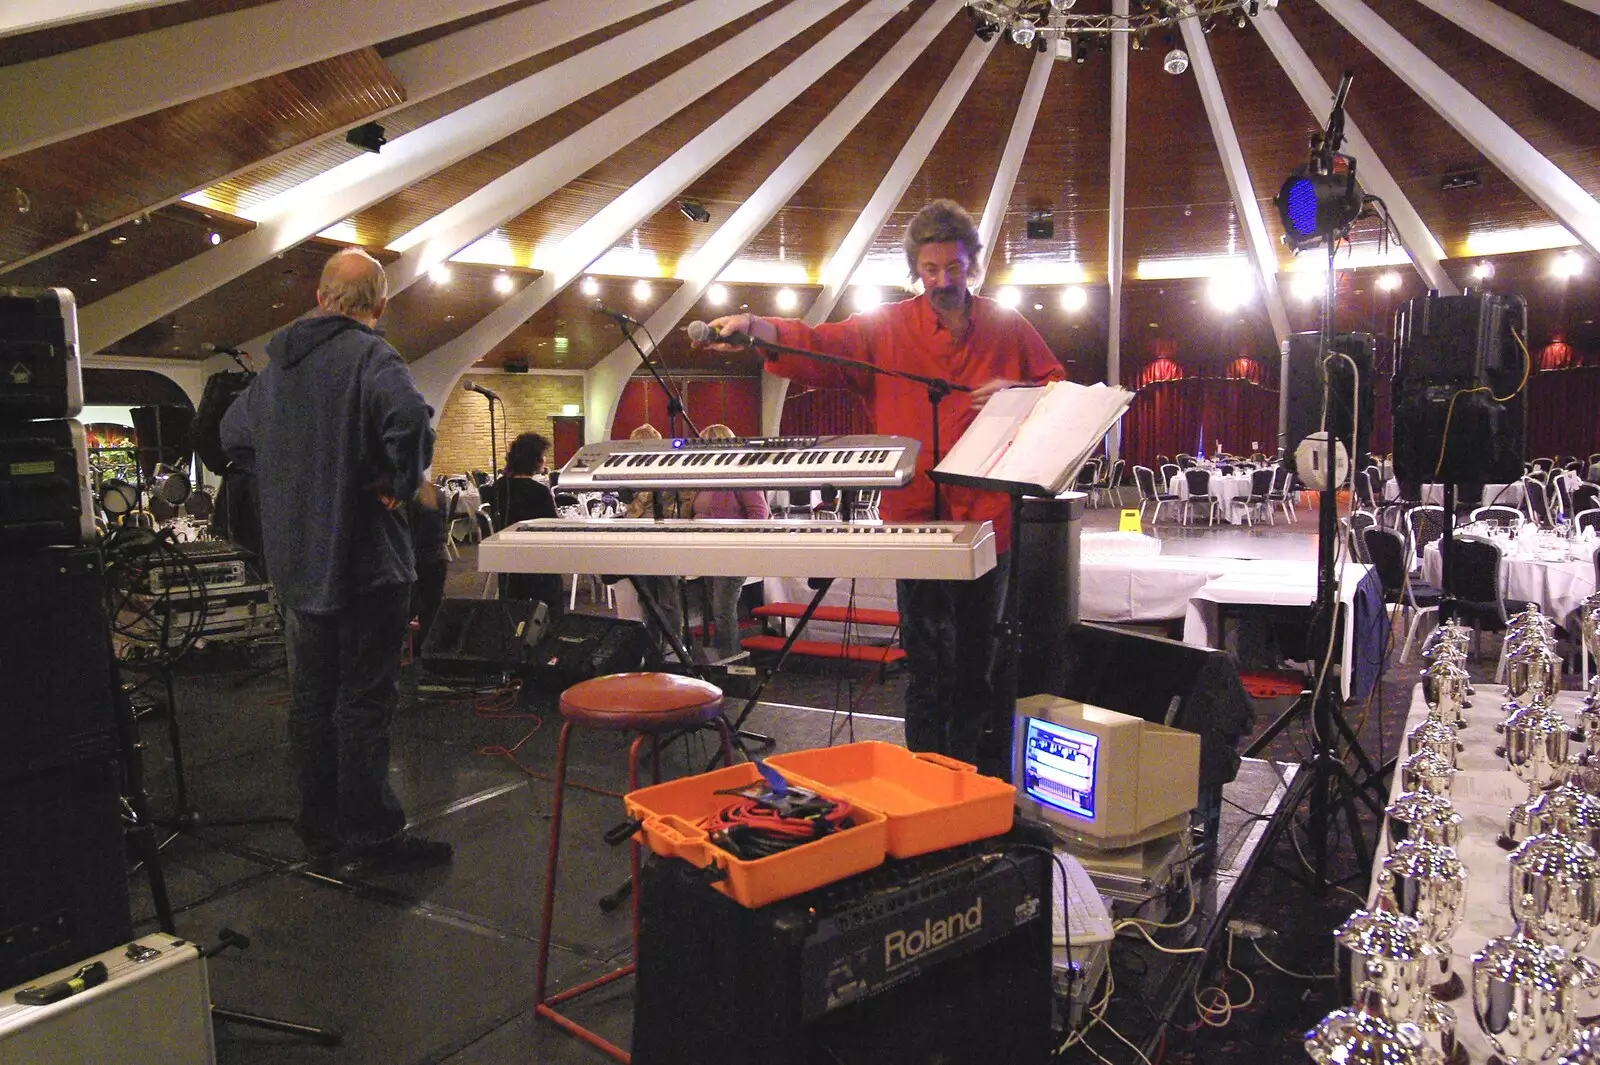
<point>580,646</point>
<point>1303,393</point>
<point>1460,412</point>
<point>63,881</point>
<point>55,664</point>
<point>483,636</point>
<point>943,958</point>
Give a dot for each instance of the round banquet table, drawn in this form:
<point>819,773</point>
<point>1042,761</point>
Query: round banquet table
<point>1557,587</point>
<point>1226,488</point>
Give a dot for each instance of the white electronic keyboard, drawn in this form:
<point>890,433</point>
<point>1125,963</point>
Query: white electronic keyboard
<point>743,462</point>
<point>733,548</point>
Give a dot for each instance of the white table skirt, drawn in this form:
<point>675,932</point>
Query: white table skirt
<point>1504,495</point>
<point>1558,587</point>
<point>1225,488</point>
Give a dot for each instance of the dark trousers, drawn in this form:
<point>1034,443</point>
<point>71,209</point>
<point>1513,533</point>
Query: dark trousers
<point>947,629</point>
<point>426,595</point>
<point>343,672</point>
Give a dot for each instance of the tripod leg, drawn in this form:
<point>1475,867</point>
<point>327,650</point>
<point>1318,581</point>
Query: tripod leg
<point>186,813</point>
<point>325,1036</point>
<point>1270,733</point>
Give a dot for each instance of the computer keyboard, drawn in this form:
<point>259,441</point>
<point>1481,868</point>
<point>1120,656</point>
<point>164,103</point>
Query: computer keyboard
<point>1083,913</point>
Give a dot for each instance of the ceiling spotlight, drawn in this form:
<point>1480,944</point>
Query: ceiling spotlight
<point>1176,62</point>
<point>785,299</point>
<point>1062,5</point>
<point>1239,20</point>
<point>1137,41</point>
<point>1483,271</point>
<point>1023,33</point>
<point>590,287</point>
<point>1306,284</point>
<point>717,294</point>
<point>694,211</point>
<point>440,275</point>
<point>1074,299</point>
<point>1567,264</point>
<point>369,137</point>
<point>1229,291</point>
<point>215,239</point>
<point>1388,281</point>
<point>1080,50</point>
<point>1009,297</point>
<point>866,297</point>
<point>982,27</point>
<point>641,290</point>
<point>503,283</point>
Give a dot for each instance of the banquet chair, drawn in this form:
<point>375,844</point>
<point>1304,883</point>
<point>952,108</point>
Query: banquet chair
<point>1387,551</point>
<point>1088,475</point>
<point>1114,481</point>
<point>1587,519</point>
<point>1169,470</point>
<point>1199,482</point>
<point>1475,580</point>
<point>1508,518</point>
<point>1585,497</point>
<point>1597,565</point>
<point>1144,479</point>
<point>864,505</point>
<point>1542,465</point>
<point>1184,461</point>
<point>1563,493</point>
<point>1536,498</point>
<point>1260,497</point>
<point>1425,524</point>
<point>1366,498</point>
<point>1283,492</point>
<point>1356,526</point>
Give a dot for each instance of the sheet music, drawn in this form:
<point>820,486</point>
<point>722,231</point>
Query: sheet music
<point>1037,435</point>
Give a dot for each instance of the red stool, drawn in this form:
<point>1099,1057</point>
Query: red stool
<point>646,704</point>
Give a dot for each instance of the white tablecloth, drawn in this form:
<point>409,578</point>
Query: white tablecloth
<point>1225,488</point>
<point>1272,583</point>
<point>1504,495</point>
<point>1483,792</point>
<point>1558,587</point>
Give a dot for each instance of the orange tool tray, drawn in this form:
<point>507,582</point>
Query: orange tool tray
<point>932,802</point>
<point>671,816</point>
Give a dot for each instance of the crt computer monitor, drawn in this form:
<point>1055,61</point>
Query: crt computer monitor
<point>1102,780</point>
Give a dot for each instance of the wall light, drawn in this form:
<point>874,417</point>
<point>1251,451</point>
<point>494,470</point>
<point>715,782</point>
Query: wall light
<point>1483,271</point>
<point>641,290</point>
<point>1567,264</point>
<point>590,287</point>
<point>717,294</point>
<point>866,297</point>
<point>1009,297</point>
<point>570,410</point>
<point>1074,299</point>
<point>785,299</point>
<point>503,283</point>
<point>1388,281</point>
<point>440,274</point>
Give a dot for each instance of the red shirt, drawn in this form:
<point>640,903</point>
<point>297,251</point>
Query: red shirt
<point>909,336</point>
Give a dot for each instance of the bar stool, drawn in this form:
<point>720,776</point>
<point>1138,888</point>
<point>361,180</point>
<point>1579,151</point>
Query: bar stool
<point>648,705</point>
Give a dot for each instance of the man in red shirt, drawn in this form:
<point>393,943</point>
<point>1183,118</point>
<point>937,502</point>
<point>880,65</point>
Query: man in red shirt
<point>946,627</point>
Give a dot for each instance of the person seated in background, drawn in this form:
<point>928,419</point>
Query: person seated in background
<point>661,504</point>
<point>425,512</point>
<point>521,496</point>
<point>719,503</point>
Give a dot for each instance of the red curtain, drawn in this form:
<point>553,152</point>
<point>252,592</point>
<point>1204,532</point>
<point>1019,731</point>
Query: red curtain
<point>825,412</point>
<point>1562,406</point>
<point>733,401</point>
<point>1169,417</point>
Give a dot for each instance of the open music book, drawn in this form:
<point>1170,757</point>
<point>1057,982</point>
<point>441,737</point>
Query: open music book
<point>1037,436</point>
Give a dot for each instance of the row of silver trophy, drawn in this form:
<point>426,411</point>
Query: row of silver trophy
<point>1532,990</point>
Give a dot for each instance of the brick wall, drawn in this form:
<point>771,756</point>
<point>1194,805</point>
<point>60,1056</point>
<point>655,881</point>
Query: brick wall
<point>529,401</point>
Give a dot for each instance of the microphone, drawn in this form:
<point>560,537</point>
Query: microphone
<point>210,348</point>
<point>473,386</point>
<point>702,333</point>
<point>616,316</point>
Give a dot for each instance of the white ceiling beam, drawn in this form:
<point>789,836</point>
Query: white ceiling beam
<point>336,194</point>
<point>1543,53</point>
<point>1005,177</point>
<point>60,96</point>
<point>892,189</point>
<point>1117,210</point>
<point>437,371</point>
<point>1544,182</point>
<point>1259,246</point>
<point>1588,5</point>
<point>1417,239</point>
<point>604,382</point>
<point>26,16</point>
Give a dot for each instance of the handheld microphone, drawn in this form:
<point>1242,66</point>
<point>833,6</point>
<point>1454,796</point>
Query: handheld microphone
<point>702,333</point>
<point>616,316</point>
<point>473,386</point>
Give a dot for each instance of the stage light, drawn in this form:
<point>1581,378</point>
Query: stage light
<point>785,299</point>
<point>641,290</point>
<point>1062,5</point>
<point>694,211</point>
<point>1176,62</point>
<point>369,137</point>
<point>1308,284</point>
<point>865,297</point>
<point>1567,264</point>
<point>503,283</point>
<point>215,239</point>
<point>1314,207</point>
<point>440,274</point>
<point>1009,297</point>
<point>717,294</point>
<point>1388,281</point>
<point>1074,298</point>
<point>1483,271</point>
<point>1023,33</point>
<point>1228,291</point>
<point>590,287</point>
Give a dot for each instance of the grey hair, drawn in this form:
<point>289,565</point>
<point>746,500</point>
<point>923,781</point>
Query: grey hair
<point>358,295</point>
<point>941,222</point>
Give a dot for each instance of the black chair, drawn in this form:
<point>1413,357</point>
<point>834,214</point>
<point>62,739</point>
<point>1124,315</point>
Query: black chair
<point>1536,500</point>
<point>1185,461</point>
<point>1587,519</point>
<point>1199,484</point>
<point>1282,493</point>
<point>1425,524</point>
<point>1144,479</point>
<point>1585,497</point>
<point>1387,550</point>
<point>1356,526</point>
<point>1508,518</point>
<point>1474,579</point>
<point>1563,494</point>
<point>1260,497</point>
<point>1112,484</point>
<point>1169,470</point>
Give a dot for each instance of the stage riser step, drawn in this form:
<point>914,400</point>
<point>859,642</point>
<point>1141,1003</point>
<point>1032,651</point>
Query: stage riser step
<point>818,649</point>
<point>844,615</point>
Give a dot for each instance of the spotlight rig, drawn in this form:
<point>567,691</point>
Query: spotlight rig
<point>1030,23</point>
<point>1321,200</point>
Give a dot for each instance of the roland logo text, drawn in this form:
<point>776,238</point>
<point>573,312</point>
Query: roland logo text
<point>907,945</point>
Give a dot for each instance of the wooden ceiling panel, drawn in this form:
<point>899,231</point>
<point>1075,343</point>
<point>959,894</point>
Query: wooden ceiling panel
<point>56,40</point>
<point>94,179</point>
<point>1173,159</point>
<point>1416,145</point>
<point>109,262</point>
<point>1201,229</point>
<point>567,333</point>
<point>429,314</point>
<point>1180,313</point>
<point>396,45</point>
<point>1566,21</point>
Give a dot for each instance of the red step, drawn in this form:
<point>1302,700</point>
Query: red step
<point>843,614</point>
<point>856,652</point>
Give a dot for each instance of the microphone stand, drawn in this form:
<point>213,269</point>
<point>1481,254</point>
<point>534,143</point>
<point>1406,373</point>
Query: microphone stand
<point>675,408</point>
<point>938,388</point>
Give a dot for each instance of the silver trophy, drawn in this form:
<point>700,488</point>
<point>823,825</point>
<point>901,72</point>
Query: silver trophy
<point>1536,749</point>
<point>1444,689</point>
<point>1582,1049</point>
<point>1386,954</point>
<point>1555,895</point>
<point>1425,816</point>
<point>1522,995</point>
<point>1427,771</point>
<point>1589,714</point>
<point>1428,882</point>
<point>1568,811</point>
<point>1437,736</point>
<point>1366,1036</point>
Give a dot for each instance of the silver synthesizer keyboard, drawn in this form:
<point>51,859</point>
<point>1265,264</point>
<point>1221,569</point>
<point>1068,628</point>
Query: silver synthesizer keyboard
<point>734,548</point>
<point>744,462</point>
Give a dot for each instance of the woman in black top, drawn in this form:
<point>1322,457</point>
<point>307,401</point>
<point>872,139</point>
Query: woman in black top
<point>518,496</point>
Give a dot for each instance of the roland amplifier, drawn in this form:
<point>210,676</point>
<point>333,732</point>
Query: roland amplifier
<point>942,958</point>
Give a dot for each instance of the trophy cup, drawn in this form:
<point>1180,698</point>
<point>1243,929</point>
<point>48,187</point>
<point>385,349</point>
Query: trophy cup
<point>1568,811</point>
<point>1427,771</point>
<point>1589,715</point>
<point>1428,882</point>
<point>1584,1049</point>
<point>1366,1036</point>
<point>1385,954</point>
<point>1522,997</point>
<point>1437,736</point>
<point>1444,689</point>
<point>1425,816</point>
<point>1536,749</point>
<point>1555,895</point>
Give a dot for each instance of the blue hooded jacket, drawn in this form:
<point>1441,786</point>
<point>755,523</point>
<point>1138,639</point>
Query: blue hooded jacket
<point>332,427</point>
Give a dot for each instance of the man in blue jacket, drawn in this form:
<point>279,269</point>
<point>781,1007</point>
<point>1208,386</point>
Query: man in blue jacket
<point>337,436</point>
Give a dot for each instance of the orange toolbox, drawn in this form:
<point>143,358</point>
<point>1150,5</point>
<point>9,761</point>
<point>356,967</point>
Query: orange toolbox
<point>932,801</point>
<point>672,818</point>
